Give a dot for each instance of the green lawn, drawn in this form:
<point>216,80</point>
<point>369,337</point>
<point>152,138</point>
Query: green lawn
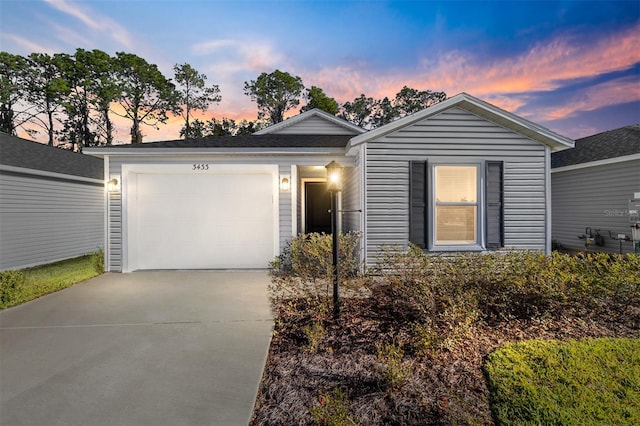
<point>28,284</point>
<point>588,381</point>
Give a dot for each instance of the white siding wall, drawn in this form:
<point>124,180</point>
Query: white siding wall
<point>284,163</point>
<point>44,220</point>
<point>455,134</point>
<point>595,197</point>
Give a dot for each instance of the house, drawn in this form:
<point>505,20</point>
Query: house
<point>592,185</point>
<point>51,203</point>
<point>462,175</point>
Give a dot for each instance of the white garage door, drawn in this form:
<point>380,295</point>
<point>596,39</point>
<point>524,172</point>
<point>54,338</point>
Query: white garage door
<point>202,221</point>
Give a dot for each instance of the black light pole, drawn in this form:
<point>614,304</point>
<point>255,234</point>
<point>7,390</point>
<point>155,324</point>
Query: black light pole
<point>334,185</point>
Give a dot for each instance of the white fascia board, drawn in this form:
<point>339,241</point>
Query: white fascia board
<point>480,108</point>
<point>98,152</point>
<point>308,114</point>
<point>596,163</point>
<point>43,173</point>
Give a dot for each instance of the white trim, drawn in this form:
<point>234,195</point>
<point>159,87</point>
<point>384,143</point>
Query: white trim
<point>303,200</point>
<point>596,163</point>
<point>547,190</point>
<point>309,114</point>
<point>129,173</point>
<point>107,225</point>
<point>363,204</point>
<point>294,200</point>
<point>480,108</point>
<point>43,173</point>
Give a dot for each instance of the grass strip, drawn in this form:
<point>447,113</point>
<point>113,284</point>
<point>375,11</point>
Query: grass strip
<point>576,382</point>
<point>45,279</point>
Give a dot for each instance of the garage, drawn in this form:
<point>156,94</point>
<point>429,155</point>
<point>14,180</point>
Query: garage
<point>204,217</point>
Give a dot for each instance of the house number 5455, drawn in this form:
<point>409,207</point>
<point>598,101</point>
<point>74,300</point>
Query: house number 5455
<point>200,167</point>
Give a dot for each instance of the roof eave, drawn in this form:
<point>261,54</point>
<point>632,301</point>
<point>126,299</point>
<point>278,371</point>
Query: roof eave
<point>102,152</point>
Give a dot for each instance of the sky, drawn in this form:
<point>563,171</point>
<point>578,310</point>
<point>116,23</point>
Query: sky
<point>571,66</point>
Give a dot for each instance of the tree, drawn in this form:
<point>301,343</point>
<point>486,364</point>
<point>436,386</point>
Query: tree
<point>76,129</point>
<point>275,94</point>
<point>12,89</point>
<point>359,111</point>
<point>384,111</point>
<point>193,95</point>
<point>318,99</point>
<point>46,89</point>
<point>146,95</point>
<point>409,100</point>
<point>104,88</point>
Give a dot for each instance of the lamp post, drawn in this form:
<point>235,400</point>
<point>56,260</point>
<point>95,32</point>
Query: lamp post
<point>334,186</point>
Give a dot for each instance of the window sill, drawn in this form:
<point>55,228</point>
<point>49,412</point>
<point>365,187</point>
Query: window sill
<point>456,248</point>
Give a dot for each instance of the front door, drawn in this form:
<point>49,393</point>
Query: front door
<point>316,208</point>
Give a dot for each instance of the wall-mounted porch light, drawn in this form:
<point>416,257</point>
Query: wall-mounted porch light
<point>113,185</point>
<point>285,183</point>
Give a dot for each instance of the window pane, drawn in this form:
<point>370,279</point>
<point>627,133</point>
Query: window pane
<point>455,224</point>
<point>456,184</point>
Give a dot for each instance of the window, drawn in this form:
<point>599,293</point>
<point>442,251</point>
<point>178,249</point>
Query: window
<point>456,206</point>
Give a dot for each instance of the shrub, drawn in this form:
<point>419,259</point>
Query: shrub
<point>590,381</point>
<point>333,409</point>
<point>97,258</point>
<point>11,284</point>
<point>310,257</point>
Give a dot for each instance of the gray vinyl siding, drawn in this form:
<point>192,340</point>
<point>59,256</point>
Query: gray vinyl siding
<point>315,126</point>
<point>47,219</point>
<point>284,164</point>
<point>351,196</point>
<point>455,135</point>
<point>595,197</point>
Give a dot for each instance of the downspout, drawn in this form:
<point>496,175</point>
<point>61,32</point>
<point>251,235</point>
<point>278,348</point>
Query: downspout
<point>547,189</point>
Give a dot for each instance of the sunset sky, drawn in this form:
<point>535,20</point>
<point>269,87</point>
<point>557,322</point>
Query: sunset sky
<point>572,66</point>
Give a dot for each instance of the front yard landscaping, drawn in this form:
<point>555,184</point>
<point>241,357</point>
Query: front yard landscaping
<point>413,339</point>
<point>21,286</point>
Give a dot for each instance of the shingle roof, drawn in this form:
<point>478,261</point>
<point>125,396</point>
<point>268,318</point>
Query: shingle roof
<point>611,144</point>
<point>18,152</point>
<point>249,141</point>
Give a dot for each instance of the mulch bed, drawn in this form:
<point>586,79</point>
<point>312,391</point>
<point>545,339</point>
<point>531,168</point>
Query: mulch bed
<point>443,386</point>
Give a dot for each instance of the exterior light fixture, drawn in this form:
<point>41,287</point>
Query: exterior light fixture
<point>285,183</point>
<point>112,185</point>
<point>334,177</point>
<point>334,186</point>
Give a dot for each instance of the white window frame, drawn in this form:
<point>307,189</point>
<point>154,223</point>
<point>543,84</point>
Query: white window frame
<point>480,207</point>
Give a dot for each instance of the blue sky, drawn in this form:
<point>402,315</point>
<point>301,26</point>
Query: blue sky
<point>572,66</point>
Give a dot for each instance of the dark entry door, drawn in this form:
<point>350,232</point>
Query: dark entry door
<point>316,208</point>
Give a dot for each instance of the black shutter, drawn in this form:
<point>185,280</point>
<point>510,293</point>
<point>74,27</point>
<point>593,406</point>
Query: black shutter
<point>418,203</point>
<point>494,204</point>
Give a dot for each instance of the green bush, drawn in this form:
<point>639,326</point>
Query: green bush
<point>333,409</point>
<point>11,285</point>
<point>590,381</point>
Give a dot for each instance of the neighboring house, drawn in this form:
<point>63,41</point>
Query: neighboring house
<point>462,175</point>
<point>51,203</point>
<point>592,185</point>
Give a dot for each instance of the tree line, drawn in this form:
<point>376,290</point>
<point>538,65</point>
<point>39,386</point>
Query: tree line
<point>72,98</point>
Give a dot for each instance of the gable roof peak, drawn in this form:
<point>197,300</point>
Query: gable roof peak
<point>480,108</point>
<point>350,128</point>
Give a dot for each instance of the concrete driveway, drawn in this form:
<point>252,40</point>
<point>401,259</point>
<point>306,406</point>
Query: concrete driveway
<point>146,348</point>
